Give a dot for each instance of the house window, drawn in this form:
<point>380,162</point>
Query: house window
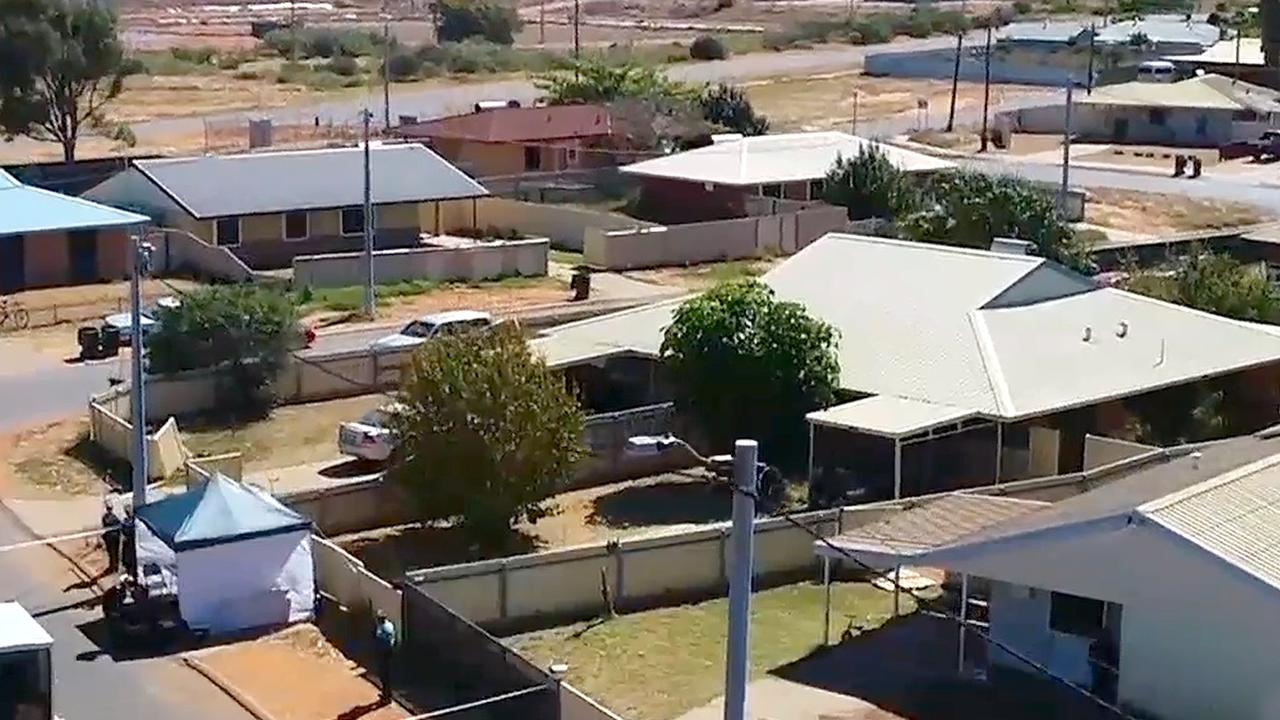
<point>1075,615</point>
<point>352,221</point>
<point>297,225</point>
<point>571,156</point>
<point>773,191</point>
<point>1157,116</point>
<point>226,231</point>
<point>532,157</point>
<point>815,189</point>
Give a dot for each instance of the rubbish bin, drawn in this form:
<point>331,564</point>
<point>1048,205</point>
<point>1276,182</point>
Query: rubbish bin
<point>90,341</point>
<point>580,283</point>
<point>109,339</point>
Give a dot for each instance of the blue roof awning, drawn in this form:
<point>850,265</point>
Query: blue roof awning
<point>26,209</point>
<point>219,511</point>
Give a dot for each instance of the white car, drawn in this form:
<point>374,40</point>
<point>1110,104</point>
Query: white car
<point>123,321</point>
<point>427,327</point>
<point>371,437</point>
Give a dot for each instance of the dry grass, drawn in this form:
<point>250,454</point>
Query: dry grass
<point>705,275</point>
<point>1152,213</point>
<point>658,664</point>
<point>147,97</point>
<point>958,141</point>
<point>57,460</point>
<point>824,102</point>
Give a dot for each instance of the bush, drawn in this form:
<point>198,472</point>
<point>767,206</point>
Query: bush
<point>133,66</point>
<point>874,31</point>
<point>292,73</point>
<point>344,66</point>
<point>403,65</point>
<point>1022,7</point>
<point>231,62</point>
<point>284,42</point>
<point>490,20</point>
<point>248,75</point>
<point>197,55</point>
<point>706,47</point>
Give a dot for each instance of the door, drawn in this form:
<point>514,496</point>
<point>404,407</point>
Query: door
<point>13,263</point>
<point>1120,129</point>
<point>83,251</point>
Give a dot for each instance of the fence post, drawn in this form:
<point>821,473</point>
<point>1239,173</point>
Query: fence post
<point>503,610</point>
<point>619,589</point>
<point>724,561</point>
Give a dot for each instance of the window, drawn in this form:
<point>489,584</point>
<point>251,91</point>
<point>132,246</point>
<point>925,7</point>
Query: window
<point>297,225</point>
<point>571,156</point>
<point>815,189</point>
<point>226,231</point>
<point>532,157</point>
<point>1075,615</point>
<point>353,221</point>
<point>773,191</point>
<point>1157,116</point>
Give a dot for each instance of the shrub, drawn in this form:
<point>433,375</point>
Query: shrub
<point>874,31</point>
<point>292,72</point>
<point>197,55</point>
<point>1022,7</point>
<point>403,65</point>
<point>133,66</point>
<point>321,43</point>
<point>490,20</point>
<point>247,75</point>
<point>706,47</point>
<point>284,41</point>
<point>343,65</point>
<point>231,62</point>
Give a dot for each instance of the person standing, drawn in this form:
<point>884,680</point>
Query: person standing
<point>385,638</point>
<point>111,533</point>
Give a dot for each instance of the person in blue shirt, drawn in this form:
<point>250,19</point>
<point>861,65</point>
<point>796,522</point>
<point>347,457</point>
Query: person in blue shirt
<point>385,638</point>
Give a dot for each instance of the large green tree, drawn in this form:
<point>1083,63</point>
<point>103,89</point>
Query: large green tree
<point>748,365</point>
<point>594,80</point>
<point>870,186</point>
<point>61,63</point>
<point>245,330</point>
<point>492,20</point>
<point>486,432</point>
<point>1211,282</point>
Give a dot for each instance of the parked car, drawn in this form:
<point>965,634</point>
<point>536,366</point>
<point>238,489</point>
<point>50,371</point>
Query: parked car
<point>428,327</point>
<point>123,321</point>
<point>371,437</point>
<point>1267,146</point>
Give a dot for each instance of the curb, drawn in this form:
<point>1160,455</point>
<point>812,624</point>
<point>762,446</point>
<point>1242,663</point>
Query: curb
<point>233,692</point>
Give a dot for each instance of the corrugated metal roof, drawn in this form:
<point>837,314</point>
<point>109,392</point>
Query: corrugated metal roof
<point>934,523</point>
<point>25,209</point>
<point>998,335</point>
<point>888,416</point>
<point>1226,52</point>
<point>768,159</point>
<point>1236,517</point>
<point>257,183</point>
<point>1191,93</point>
<point>556,122</point>
<point>1164,29</point>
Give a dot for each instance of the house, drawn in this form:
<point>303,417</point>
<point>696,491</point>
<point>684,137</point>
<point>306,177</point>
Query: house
<point>963,367</point>
<point>1242,59</point>
<point>513,140</point>
<point>1158,591</point>
<point>1203,111</point>
<point>270,207</point>
<point>1164,34</point>
<point>49,239</point>
<point>715,182</point>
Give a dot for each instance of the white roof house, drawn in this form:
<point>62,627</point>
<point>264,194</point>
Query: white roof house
<point>770,159</point>
<point>944,333</point>
<point>19,631</point>
<point>1180,559</point>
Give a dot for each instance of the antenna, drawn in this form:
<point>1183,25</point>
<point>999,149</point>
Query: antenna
<point>1160,361</point>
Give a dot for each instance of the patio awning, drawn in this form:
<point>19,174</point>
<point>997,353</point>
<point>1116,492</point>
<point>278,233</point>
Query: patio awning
<point>936,522</point>
<point>887,416</point>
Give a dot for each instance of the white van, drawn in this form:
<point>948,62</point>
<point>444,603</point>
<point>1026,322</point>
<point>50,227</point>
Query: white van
<point>1156,71</point>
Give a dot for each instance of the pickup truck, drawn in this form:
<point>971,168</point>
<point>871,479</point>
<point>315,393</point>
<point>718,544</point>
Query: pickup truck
<point>1267,146</point>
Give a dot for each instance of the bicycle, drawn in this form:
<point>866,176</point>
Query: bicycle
<point>13,315</point>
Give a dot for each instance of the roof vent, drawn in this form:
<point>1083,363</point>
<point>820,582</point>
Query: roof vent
<point>1088,333</point>
<point>1010,246</point>
<point>1122,329</point>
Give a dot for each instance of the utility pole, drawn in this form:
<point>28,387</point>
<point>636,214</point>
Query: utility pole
<point>1066,149</point>
<point>738,651</point>
<point>955,83</point>
<point>386,70</point>
<point>369,298</point>
<point>577,29</point>
<point>1088,81</point>
<point>986,88</point>
<point>542,22</point>
<point>857,94</point>
<point>293,32</point>
<point>141,264</point>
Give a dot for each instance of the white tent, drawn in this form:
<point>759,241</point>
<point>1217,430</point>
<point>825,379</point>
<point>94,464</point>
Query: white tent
<point>235,557</point>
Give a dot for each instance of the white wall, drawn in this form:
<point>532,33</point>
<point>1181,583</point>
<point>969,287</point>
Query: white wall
<point>483,261</point>
<point>1020,618</point>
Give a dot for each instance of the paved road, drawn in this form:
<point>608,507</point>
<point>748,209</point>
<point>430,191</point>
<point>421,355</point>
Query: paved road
<point>89,685</point>
<point>51,391</point>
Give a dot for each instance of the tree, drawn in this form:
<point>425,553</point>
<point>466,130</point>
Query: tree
<point>748,365</point>
<point>245,330</point>
<point>593,80</point>
<point>870,186</point>
<point>61,64</point>
<point>728,107</point>
<point>1192,412</point>
<point>1213,283</point>
<point>486,432</point>
<point>492,20</point>
<point>707,47</point>
<point>970,209</point>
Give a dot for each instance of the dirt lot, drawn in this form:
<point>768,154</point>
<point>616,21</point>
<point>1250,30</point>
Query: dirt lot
<point>701,277</point>
<point>295,674</point>
<point>1151,213</point>
<point>54,460</point>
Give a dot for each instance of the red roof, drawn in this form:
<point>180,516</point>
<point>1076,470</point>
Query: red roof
<point>557,122</point>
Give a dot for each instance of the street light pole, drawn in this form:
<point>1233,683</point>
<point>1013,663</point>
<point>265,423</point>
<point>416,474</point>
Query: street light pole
<point>141,261</point>
<point>738,650</point>
<point>986,88</point>
<point>369,298</point>
<point>1066,149</point>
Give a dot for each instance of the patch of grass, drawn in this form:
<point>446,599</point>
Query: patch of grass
<point>658,664</point>
<point>566,257</point>
<point>350,298</point>
<point>166,63</point>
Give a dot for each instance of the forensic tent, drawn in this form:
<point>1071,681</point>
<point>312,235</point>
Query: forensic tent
<point>235,557</point>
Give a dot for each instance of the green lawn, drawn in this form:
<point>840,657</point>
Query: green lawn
<point>346,299</point>
<point>565,257</point>
<point>658,664</point>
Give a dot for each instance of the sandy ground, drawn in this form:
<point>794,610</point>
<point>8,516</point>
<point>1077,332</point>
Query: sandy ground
<point>1152,213</point>
<point>497,298</point>
<point>49,462</point>
<point>295,674</point>
<point>701,277</point>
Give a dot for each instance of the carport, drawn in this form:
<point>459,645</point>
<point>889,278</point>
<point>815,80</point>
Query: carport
<point>909,535</point>
<point>865,442</point>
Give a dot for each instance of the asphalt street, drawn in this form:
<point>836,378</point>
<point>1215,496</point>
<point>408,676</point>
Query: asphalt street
<point>51,391</point>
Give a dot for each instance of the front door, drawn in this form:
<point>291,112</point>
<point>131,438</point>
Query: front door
<point>1120,130</point>
<point>13,263</point>
<point>83,250</point>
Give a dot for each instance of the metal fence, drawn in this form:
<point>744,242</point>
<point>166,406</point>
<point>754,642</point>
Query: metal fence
<point>455,663</point>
